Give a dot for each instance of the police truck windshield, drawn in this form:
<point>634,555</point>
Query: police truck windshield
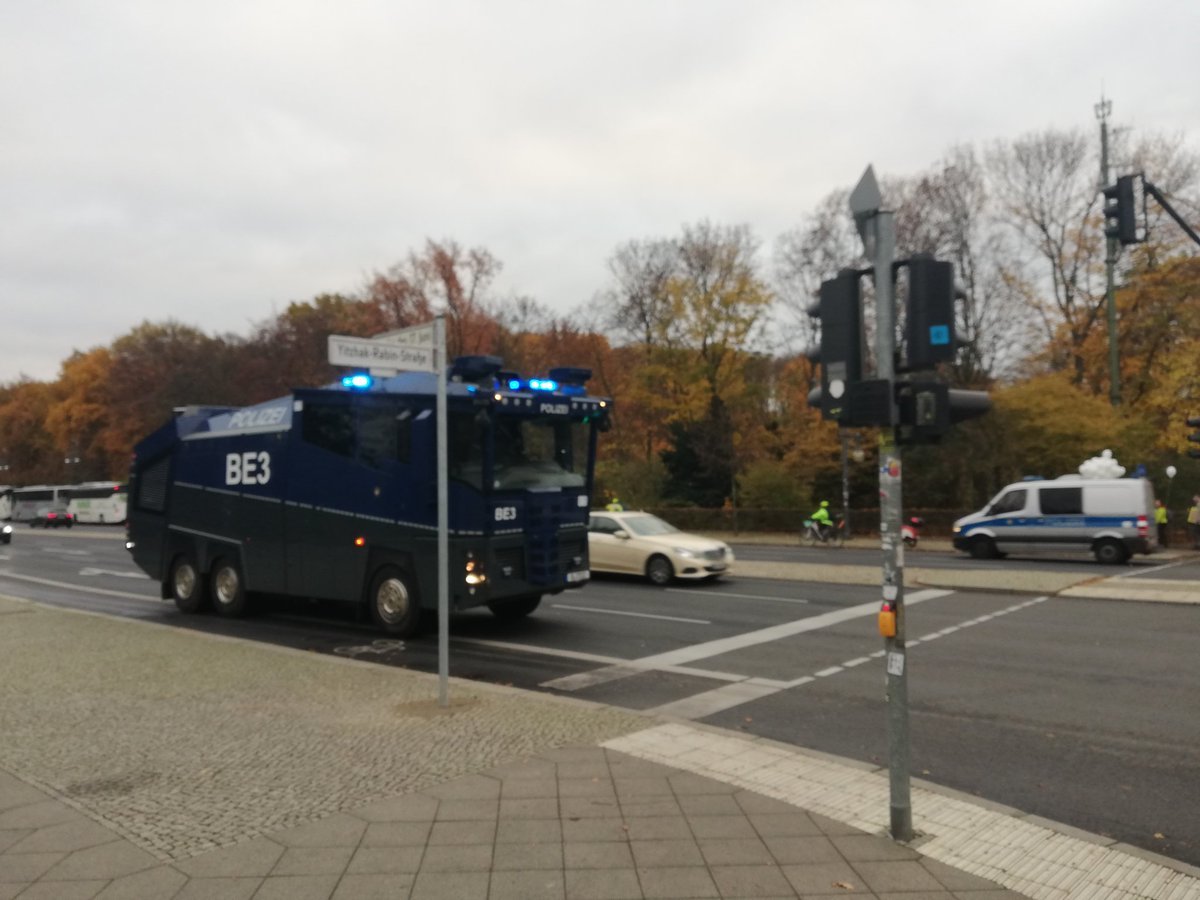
<point>539,453</point>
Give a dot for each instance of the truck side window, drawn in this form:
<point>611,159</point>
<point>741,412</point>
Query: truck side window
<point>330,427</point>
<point>384,434</point>
<point>1013,501</point>
<point>152,485</point>
<point>1064,501</point>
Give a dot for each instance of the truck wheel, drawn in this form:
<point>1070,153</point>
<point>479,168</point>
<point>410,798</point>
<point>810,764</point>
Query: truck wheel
<point>187,587</point>
<point>511,610</point>
<point>984,548</point>
<point>393,602</point>
<point>659,570</point>
<point>228,591</point>
<point>1110,552</point>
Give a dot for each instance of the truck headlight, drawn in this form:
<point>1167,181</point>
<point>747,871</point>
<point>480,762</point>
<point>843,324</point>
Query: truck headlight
<point>474,574</point>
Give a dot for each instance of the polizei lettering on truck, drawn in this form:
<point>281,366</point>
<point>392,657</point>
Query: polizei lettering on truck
<point>331,493</point>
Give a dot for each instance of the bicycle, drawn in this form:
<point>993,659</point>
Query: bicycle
<point>834,535</point>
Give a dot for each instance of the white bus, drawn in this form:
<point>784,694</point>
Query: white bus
<point>26,501</point>
<point>102,502</point>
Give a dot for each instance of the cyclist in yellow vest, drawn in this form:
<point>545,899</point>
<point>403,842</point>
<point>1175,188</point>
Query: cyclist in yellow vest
<point>821,517</point>
<point>614,505</point>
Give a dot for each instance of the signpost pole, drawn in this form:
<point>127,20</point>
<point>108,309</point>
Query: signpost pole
<point>877,228</point>
<point>443,497</point>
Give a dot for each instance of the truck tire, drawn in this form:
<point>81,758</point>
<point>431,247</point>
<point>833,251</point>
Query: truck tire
<point>186,584</point>
<point>227,588</point>
<point>517,608</point>
<point>1110,552</point>
<point>393,602</point>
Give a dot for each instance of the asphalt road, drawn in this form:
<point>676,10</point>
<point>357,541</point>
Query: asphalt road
<point>1083,711</point>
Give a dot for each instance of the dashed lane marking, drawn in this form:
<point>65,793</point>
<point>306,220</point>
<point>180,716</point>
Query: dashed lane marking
<point>694,652</point>
<point>699,706</point>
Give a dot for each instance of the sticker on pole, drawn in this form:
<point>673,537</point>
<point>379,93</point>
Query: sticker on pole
<point>895,663</point>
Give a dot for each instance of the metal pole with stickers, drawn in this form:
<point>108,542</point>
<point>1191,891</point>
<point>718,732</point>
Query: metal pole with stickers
<point>877,228</point>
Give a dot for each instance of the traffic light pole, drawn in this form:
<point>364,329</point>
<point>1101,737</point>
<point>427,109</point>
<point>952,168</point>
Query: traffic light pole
<point>890,510</point>
<point>1110,269</point>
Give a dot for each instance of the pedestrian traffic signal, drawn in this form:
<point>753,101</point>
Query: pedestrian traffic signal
<point>1120,211</point>
<point>927,410</point>
<point>1194,422</point>
<point>929,313</point>
<point>839,310</point>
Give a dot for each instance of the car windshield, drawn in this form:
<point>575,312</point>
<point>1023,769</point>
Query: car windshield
<point>648,525</point>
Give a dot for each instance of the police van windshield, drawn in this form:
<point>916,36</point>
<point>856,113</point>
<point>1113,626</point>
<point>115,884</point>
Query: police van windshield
<point>542,452</point>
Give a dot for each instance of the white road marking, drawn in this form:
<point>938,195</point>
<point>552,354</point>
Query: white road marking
<point>711,674</point>
<point>698,706</point>
<point>1135,571</point>
<point>125,574</point>
<point>618,612</point>
<point>737,596</point>
<point>87,589</point>
<point>64,552</point>
<point>728,645</point>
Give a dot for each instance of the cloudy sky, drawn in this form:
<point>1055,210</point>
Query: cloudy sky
<point>212,162</point>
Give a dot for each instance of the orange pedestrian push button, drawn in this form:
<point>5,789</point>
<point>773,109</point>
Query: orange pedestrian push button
<point>887,620</point>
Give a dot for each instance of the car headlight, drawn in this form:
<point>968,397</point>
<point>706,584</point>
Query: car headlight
<point>8,529</point>
<point>956,529</point>
<point>684,552</point>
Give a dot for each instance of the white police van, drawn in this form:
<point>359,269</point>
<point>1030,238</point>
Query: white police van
<point>1111,517</point>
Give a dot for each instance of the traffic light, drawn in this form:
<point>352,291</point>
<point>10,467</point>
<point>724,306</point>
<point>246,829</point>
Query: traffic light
<point>839,309</point>
<point>1194,422</point>
<point>929,313</point>
<point>927,409</point>
<point>1120,211</point>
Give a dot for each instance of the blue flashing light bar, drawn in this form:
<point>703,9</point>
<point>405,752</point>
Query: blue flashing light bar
<point>357,382</point>
<point>533,384</point>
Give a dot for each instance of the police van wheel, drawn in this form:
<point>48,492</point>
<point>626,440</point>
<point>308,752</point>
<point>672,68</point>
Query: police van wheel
<point>228,590</point>
<point>393,602</point>
<point>984,548</point>
<point>509,610</point>
<point>1110,552</point>
<point>659,570</point>
<point>187,587</point>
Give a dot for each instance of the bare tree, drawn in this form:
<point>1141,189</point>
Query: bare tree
<point>1045,185</point>
<point>639,308</point>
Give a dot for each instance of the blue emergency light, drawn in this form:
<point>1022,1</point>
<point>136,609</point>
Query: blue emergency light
<point>359,382</point>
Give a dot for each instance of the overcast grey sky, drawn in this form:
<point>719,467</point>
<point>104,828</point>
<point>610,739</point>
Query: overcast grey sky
<point>212,162</point>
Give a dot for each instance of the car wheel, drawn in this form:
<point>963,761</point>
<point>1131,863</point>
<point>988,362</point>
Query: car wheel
<point>659,570</point>
<point>1110,552</point>
<point>227,589</point>
<point>393,602</point>
<point>984,548</point>
<point>186,584</point>
<point>518,608</point>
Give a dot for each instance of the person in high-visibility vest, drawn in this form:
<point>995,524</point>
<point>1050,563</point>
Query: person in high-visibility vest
<point>821,517</point>
<point>614,505</point>
<point>1160,519</point>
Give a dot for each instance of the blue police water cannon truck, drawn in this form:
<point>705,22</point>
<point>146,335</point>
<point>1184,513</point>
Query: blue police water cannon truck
<point>331,493</point>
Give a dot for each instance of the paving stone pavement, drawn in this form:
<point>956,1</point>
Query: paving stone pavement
<point>141,761</point>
